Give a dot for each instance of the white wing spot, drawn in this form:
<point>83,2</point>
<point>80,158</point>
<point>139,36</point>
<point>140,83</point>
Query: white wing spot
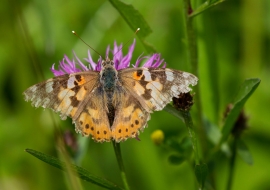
<point>33,88</point>
<point>186,75</point>
<point>70,82</point>
<point>37,102</point>
<point>169,75</point>
<point>155,85</point>
<point>147,75</point>
<point>49,86</point>
<point>174,88</point>
<point>46,101</point>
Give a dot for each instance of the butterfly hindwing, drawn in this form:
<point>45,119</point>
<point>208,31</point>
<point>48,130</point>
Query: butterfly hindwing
<point>130,117</point>
<point>93,118</point>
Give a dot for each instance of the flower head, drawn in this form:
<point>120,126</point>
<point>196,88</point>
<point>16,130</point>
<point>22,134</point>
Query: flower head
<point>67,66</point>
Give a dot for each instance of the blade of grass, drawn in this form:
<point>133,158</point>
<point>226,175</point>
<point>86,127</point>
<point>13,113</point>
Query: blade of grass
<point>82,173</point>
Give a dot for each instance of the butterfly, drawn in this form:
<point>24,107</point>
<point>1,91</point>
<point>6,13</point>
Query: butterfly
<point>110,104</point>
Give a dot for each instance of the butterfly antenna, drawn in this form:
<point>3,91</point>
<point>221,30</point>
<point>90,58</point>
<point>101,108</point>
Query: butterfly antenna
<point>86,44</point>
<point>128,40</point>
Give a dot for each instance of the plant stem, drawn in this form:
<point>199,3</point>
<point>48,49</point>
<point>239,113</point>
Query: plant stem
<point>193,61</point>
<point>118,154</point>
<point>232,164</point>
<point>192,134</point>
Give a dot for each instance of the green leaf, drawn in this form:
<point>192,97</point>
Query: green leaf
<point>135,20</point>
<point>245,91</point>
<point>206,5</point>
<point>81,172</point>
<point>244,152</point>
<point>201,172</point>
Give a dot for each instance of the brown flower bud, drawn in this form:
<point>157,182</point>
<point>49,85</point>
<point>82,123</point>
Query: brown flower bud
<point>183,102</point>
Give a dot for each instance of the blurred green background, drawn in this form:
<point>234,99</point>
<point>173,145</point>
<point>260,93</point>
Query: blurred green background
<point>234,44</point>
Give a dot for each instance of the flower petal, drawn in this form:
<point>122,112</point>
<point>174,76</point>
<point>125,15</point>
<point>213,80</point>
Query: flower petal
<point>117,55</point>
<point>56,72</point>
<point>84,68</point>
<point>125,62</point>
<point>92,65</point>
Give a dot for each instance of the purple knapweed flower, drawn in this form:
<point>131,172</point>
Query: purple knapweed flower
<point>67,66</point>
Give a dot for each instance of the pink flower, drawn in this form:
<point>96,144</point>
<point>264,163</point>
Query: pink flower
<point>67,66</point>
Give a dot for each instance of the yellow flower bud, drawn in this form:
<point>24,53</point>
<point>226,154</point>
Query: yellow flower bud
<point>157,137</point>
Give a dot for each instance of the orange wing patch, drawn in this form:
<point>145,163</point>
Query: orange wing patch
<point>137,75</point>
<point>80,79</point>
<point>97,128</point>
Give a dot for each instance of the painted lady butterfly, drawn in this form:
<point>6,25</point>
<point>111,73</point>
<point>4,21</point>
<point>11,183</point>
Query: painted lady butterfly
<point>110,104</point>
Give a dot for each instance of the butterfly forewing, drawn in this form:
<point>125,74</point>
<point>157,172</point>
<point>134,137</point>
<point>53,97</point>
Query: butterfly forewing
<point>155,87</point>
<point>66,94</point>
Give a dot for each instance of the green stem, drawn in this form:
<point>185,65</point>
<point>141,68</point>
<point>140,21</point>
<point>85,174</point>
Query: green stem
<point>118,154</point>
<point>193,61</point>
<point>192,134</point>
<point>232,164</point>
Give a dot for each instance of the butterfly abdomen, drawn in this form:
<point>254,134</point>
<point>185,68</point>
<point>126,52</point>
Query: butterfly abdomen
<point>111,113</point>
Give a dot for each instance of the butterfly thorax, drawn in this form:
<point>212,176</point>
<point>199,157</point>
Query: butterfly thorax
<point>108,78</point>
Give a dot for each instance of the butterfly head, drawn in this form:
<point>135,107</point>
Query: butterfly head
<point>107,63</point>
